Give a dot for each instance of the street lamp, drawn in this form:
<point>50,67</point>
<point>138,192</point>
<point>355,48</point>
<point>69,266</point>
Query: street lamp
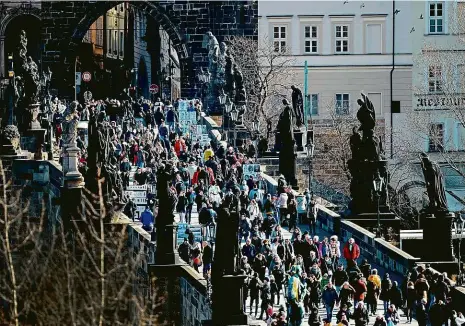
<point>378,186</point>
<point>310,152</point>
<point>222,98</point>
<point>459,225</point>
<point>256,131</point>
<point>234,116</point>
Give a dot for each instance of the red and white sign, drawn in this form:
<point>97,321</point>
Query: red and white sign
<point>86,76</point>
<point>154,89</point>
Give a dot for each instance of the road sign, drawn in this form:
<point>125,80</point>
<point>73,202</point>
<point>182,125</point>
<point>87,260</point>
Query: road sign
<point>154,89</point>
<point>87,96</point>
<point>86,76</point>
<point>78,78</point>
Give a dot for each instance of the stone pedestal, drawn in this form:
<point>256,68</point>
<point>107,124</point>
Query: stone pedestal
<point>32,111</point>
<point>167,253</point>
<point>73,178</point>
<point>299,140</point>
<point>437,237</point>
<point>229,307</point>
<point>39,136</point>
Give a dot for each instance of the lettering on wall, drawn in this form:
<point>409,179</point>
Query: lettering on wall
<point>441,102</point>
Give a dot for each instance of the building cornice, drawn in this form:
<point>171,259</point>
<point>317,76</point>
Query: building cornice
<point>279,16</point>
<point>342,15</point>
<point>310,16</point>
<point>374,15</point>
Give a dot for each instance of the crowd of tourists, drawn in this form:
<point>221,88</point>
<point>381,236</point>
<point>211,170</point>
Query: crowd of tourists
<point>307,270</point>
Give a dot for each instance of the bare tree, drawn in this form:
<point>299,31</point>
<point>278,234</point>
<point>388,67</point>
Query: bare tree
<point>268,77</point>
<point>79,272</point>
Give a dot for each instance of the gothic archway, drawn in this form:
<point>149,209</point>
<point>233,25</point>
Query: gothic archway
<point>154,10</point>
<point>12,20</point>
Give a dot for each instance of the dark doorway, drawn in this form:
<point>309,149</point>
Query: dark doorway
<point>32,26</point>
<point>143,79</point>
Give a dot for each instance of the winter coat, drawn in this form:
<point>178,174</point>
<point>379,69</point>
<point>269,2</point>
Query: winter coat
<point>395,296</point>
<point>360,316</point>
<point>386,286</point>
<point>329,296</point>
<point>360,290</point>
<point>340,277</point>
<point>351,254</point>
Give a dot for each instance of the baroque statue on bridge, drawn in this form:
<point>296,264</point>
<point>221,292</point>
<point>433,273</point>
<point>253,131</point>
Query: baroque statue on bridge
<point>297,106</point>
<point>287,154</point>
<point>434,185</point>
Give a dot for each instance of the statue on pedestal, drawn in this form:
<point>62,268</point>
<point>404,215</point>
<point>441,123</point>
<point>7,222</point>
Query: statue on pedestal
<point>287,155</point>
<point>69,125</point>
<point>167,199</point>
<point>434,185</point>
<point>297,106</point>
<point>367,161</point>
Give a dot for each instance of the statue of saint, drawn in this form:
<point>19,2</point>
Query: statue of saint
<point>166,198</point>
<point>434,185</point>
<point>287,156</point>
<point>230,85</point>
<point>297,106</point>
<point>211,43</point>
<point>70,122</point>
<point>240,88</point>
<point>366,114</point>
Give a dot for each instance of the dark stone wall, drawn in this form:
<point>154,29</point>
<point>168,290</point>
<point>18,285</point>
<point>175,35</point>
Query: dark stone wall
<point>39,183</point>
<point>64,23</point>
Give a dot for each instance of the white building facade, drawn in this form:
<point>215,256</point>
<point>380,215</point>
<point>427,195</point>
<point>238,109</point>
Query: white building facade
<point>435,124</point>
<point>349,47</point>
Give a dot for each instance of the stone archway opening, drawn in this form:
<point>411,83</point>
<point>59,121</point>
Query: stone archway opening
<point>31,24</point>
<point>158,19</point>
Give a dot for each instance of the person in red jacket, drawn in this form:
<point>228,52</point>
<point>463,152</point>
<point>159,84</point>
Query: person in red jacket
<point>351,252</point>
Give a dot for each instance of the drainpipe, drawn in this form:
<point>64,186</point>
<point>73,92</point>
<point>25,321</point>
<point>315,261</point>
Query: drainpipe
<point>393,65</point>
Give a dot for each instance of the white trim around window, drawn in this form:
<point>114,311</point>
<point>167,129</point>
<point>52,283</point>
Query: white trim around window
<point>341,38</point>
<point>436,13</point>
<point>280,38</point>
<point>311,33</point>
<point>342,103</point>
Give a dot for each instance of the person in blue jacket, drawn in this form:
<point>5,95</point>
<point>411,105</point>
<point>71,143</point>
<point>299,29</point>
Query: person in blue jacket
<point>147,219</point>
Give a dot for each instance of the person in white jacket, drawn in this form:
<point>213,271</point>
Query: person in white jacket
<point>214,194</point>
<point>253,209</point>
<point>282,203</point>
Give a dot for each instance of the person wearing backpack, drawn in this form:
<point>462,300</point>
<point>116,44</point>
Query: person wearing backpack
<point>373,289</point>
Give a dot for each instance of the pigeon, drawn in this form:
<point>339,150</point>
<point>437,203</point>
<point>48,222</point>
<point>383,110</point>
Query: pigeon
<point>396,11</point>
<point>346,1</point>
<point>421,16</point>
<point>412,30</point>
<point>362,5</point>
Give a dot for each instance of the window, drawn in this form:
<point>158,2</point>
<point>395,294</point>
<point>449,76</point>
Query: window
<point>342,104</point>
<point>436,137</point>
<point>279,38</point>
<point>109,43</point>
<point>99,31</point>
<point>311,39</point>
<point>434,79</point>
<point>121,44</point>
<point>460,130</point>
<point>313,104</point>
<point>436,18</point>
<point>115,43</point>
<point>342,39</point>
<point>373,38</point>
<point>87,38</point>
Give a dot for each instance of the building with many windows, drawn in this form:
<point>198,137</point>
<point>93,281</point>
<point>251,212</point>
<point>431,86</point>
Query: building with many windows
<point>349,47</point>
<point>436,122</point>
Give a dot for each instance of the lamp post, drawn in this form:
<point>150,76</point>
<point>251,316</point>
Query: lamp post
<point>222,100</point>
<point>459,225</point>
<point>234,116</point>
<point>377,187</point>
<point>310,152</point>
<point>256,131</point>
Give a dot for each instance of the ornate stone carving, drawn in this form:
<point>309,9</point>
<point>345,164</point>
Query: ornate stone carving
<point>10,141</point>
<point>297,106</point>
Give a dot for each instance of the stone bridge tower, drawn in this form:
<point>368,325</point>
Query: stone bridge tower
<point>64,24</point>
